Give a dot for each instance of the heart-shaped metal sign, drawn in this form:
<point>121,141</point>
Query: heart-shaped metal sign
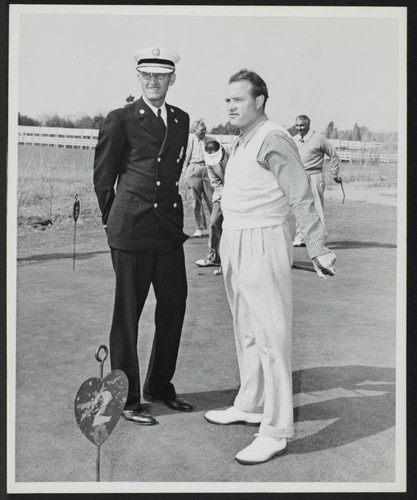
<point>98,405</point>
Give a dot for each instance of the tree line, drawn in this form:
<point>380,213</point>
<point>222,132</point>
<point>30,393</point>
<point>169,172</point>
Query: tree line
<point>357,133</point>
<point>63,122</point>
<point>360,133</point>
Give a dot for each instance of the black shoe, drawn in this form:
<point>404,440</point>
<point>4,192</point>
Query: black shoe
<point>176,403</point>
<point>139,416</point>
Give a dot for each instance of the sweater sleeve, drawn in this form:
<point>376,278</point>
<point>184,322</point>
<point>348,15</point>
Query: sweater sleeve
<point>280,156</point>
<point>327,147</point>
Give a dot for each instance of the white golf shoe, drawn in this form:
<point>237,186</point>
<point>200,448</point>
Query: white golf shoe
<point>233,416</point>
<point>262,449</point>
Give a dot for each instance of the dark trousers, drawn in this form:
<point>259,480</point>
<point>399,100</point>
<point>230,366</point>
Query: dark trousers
<point>135,271</point>
<point>216,222</point>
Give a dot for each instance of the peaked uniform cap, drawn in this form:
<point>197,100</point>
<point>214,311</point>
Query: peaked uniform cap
<point>156,60</point>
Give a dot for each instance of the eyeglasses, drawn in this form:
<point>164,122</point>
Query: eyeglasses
<point>158,76</point>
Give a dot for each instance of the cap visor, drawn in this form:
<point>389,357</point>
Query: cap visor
<point>148,68</point>
<point>212,159</point>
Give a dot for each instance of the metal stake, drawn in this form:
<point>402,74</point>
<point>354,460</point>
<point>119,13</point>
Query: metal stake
<point>343,191</point>
<point>75,213</point>
<point>101,361</point>
<point>73,255</point>
<point>98,465</point>
<point>99,404</point>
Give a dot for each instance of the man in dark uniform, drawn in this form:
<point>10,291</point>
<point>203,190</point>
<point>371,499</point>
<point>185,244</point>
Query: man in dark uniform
<point>141,149</point>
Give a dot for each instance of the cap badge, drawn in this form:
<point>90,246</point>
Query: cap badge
<point>156,52</point>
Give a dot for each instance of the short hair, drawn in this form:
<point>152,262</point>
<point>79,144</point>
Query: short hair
<point>303,118</point>
<point>197,123</point>
<point>212,146</point>
<point>258,85</point>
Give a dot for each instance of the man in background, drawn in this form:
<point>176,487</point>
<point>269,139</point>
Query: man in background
<point>141,149</point>
<point>312,147</point>
<point>263,179</point>
<point>196,175</point>
<point>216,158</point>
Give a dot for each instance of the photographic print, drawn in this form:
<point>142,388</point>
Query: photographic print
<point>206,249</point>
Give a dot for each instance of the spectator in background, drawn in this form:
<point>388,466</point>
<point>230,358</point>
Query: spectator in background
<point>196,175</point>
<point>312,147</point>
<point>216,158</point>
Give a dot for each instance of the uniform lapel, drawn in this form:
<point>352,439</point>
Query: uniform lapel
<point>148,119</point>
<point>172,129</point>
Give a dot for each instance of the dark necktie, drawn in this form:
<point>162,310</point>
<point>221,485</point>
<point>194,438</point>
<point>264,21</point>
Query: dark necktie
<point>161,121</point>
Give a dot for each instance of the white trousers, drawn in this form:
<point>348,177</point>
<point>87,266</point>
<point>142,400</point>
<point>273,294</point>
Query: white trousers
<point>318,186</point>
<point>257,274</point>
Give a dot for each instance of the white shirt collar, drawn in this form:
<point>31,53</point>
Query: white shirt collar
<point>306,137</point>
<point>163,109</point>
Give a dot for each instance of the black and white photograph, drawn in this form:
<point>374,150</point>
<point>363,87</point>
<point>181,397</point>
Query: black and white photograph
<point>206,249</point>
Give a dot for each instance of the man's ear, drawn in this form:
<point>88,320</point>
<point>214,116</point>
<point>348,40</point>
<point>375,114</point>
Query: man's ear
<point>260,100</point>
<point>172,80</point>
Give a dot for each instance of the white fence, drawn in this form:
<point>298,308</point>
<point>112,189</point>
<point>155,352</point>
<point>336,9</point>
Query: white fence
<point>352,151</point>
<point>357,151</point>
<point>75,137</point>
<point>356,145</point>
<point>364,156</point>
<point>60,137</point>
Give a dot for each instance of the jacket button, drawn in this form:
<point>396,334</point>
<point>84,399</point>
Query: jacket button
<point>178,160</point>
<point>158,183</point>
<point>177,183</point>
<point>159,160</point>
<point>155,205</point>
<point>175,205</point>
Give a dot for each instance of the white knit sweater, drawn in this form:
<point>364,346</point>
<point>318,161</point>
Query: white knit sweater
<point>251,196</point>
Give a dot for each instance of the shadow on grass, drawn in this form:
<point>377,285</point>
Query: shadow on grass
<point>303,265</point>
<point>359,401</point>
<point>57,256</point>
<point>344,244</point>
<point>366,405</point>
<point>307,265</point>
<point>202,401</point>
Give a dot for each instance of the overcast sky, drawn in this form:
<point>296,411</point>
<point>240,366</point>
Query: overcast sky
<point>337,68</point>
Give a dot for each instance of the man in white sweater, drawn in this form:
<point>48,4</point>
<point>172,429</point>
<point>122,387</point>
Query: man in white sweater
<point>263,179</point>
<point>313,147</point>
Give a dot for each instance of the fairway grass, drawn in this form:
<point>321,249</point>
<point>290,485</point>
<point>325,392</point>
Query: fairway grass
<point>50,177</point>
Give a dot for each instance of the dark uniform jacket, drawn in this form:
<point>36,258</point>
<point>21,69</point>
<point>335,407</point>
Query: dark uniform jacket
<point>136,177</point>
